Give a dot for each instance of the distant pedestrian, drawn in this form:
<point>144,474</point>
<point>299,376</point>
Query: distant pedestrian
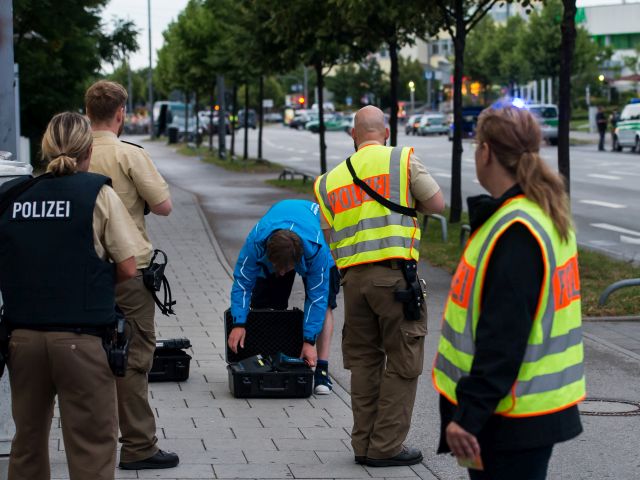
<point>601,123</point>
<point>509,366</point>
<point>613,120</point>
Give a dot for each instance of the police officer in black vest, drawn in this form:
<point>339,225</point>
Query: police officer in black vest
<point>64,243</point>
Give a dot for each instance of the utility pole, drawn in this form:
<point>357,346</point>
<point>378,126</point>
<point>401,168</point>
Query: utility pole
<point>7,143</point>
<point>150,77</point>
<point>7,95</point>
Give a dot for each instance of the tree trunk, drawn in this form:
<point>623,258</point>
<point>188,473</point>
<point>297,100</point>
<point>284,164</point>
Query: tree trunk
<point>323,146</point>
<point>393,119</point>
<point>211,120</point>
<point>233,120</point>
<point>186,117</point>
<point>222,147</point>
<point>456,156</point>
<point>564,94</point>
<point>261,95</point>
<point>245,153</point>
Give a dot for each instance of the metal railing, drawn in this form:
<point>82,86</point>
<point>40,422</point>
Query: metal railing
<point>632,282</point>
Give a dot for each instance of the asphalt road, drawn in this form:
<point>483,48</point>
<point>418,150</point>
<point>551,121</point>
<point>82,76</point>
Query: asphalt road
<point>605,186</point>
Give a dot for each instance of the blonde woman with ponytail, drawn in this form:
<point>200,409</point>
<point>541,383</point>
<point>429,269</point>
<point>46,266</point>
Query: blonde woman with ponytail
<point>60,237</point>
<point>509,367</point>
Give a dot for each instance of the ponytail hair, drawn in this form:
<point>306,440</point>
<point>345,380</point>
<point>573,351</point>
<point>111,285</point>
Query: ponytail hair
<point>66,141</point>
<point>514,137</point>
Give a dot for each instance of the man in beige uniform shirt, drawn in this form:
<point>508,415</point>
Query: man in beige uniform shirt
<point>139,184</point>
<point>383,350</point>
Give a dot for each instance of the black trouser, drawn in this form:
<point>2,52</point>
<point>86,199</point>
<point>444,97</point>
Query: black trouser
<point>601,143</point>
<point>519,464</point>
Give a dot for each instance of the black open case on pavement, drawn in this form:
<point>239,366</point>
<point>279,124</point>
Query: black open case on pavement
<point>268,365</point>
<point>170,361</point>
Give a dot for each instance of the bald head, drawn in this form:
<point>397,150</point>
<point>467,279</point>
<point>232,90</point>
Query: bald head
<point>368,125</point>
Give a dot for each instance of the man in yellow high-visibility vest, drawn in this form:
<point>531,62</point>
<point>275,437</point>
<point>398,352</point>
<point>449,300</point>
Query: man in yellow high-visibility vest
<point>373,245</point>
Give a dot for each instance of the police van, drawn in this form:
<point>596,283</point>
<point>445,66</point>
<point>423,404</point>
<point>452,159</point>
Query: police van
<point>627,132</point>
<point>547,116</point>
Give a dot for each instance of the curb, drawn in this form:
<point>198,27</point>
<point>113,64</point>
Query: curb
<point>612,346</point>
<point>628,318</point>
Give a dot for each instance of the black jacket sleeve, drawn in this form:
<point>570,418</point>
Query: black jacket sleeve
<point>509,301</point>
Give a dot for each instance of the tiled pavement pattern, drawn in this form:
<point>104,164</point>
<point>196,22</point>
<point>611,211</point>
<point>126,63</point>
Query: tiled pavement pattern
<point>216,435</point>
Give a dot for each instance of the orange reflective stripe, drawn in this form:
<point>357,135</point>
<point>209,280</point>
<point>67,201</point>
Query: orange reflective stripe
<point>566,284</point>
<point>351,196</point>
<point>460,292</point>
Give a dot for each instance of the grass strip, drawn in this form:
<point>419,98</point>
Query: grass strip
<point>235,164</point>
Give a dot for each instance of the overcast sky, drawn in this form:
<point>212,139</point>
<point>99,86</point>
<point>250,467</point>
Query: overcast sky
<point>162,13</point>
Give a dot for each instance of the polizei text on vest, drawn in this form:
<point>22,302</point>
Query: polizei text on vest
<point>41,209</point>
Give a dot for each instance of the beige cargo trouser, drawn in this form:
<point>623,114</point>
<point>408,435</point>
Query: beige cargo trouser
<point>74,367</point>
<point>385,354</point>
<point>137,421</point>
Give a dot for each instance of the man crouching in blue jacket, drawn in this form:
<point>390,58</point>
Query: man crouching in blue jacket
<point>286,240</point>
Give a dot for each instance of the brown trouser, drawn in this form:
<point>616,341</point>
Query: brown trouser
<point>137,422</point>
<point>73,366</point>
<point>385,354</point>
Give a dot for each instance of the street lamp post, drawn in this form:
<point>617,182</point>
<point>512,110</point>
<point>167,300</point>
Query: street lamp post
<point>412,89</point>
<point>150,76</point>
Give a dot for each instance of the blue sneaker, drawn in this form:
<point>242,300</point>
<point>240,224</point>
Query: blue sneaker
<point>323,385</point>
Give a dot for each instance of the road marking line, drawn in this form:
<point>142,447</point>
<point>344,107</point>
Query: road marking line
<point>475,180</point>
<point>598,203</point>
<point>631,240</point>
<point>625,173</point>
<point>604,177</point>
<point>614,228</point>
<point>443,175</point>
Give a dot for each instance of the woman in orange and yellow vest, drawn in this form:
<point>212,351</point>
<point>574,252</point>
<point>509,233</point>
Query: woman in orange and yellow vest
<point>509,367</point>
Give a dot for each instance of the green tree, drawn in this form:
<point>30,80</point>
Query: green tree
<point>513,66</point>
<point>394,24</point>
<point>482,55</point>
<point>307,32</point>
<point>59,50</point>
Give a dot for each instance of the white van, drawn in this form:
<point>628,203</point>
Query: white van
<point>627,132</point>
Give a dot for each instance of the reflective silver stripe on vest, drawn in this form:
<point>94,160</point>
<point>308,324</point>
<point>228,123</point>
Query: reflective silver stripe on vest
<point>322,188</point>
<point>394,175</point>
<point>464,341</point>
<point>374,245</point>
<point>449,369</point>
<point>368,223</point>
<point>550,381</point>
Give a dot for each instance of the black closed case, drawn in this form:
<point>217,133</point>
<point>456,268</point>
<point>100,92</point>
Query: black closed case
<point>170,361</point>
<point>269,332</point>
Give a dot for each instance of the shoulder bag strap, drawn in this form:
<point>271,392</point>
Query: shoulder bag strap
<point>411,212</point>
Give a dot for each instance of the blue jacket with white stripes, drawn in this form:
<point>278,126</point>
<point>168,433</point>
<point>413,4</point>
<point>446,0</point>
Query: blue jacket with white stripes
<point>301,217</point>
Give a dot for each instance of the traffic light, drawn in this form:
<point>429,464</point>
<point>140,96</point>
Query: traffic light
<point>216,108</point>
<point>301,100</point>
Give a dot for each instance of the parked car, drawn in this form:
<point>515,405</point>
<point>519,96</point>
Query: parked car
<point>300,120</point>
<point>273,117</point>
<point>251,119</point>
<point>413,123</point>
<point>627,132</point>
<point>184,135</point>
<point>547,116</point>
<point>164,112</point>
<point>469,121</point>
<point>10,169</point>
<point>432,124</point>
<point>332,123</point>
<point>207,124</point>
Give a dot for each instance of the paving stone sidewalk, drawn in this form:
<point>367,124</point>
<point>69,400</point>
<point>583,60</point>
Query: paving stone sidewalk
<point>216,435</point>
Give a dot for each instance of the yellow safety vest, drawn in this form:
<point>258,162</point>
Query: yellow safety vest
<point>363,231</point>
<point>551,377</point>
